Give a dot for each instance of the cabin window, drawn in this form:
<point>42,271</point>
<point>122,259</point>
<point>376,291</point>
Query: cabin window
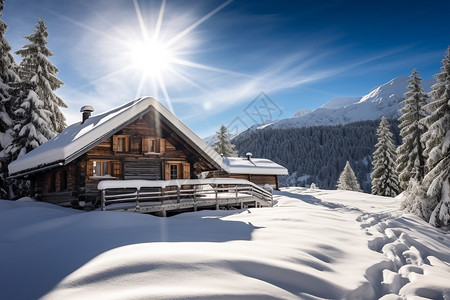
<point>173,171</point>
<point>121,143</point>
<point>104,169</point>
<point>152,146</point>
<point>149,146</point>
<point>101,168</point>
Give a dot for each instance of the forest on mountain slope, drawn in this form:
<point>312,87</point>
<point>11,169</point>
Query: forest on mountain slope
<point>317,154</point>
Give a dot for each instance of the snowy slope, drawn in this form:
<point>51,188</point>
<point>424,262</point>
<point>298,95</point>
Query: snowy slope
<point>313,244</point>
<point>301,112</point>
<point>384,100</point>
<point>340,102</point>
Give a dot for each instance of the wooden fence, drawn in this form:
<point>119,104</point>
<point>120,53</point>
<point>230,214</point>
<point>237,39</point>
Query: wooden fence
<point>161,196</point>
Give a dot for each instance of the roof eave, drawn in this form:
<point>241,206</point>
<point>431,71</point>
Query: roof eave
<point>36,170</point>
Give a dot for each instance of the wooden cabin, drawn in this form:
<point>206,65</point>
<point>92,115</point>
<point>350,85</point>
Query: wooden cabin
<point>140,140</point>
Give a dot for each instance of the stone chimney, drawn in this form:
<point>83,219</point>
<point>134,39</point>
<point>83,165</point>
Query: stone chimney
<point>86,110</point>
<point>249,155</point>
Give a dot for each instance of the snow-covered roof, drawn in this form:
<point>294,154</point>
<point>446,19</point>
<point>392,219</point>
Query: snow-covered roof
<point>255,166</point>
<point>78,138</point>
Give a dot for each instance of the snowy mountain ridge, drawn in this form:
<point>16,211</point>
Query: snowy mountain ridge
<point>384,100</point>
<point>301,112</point>
<point>340,102</point>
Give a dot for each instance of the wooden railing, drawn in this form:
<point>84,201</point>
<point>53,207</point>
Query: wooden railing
<point>150,196</point>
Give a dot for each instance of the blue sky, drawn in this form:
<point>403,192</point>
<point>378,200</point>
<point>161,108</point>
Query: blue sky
<point>217,57</point>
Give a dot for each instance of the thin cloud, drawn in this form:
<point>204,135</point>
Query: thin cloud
<point>280,75</point>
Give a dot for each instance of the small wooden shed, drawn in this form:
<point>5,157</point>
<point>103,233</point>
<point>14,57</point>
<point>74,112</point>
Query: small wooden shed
<point>260,171</point>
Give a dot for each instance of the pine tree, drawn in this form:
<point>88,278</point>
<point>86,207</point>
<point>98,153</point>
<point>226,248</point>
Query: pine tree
<point>384,175</point>
<point>30,131</point>
<point>437,148</point>
<point>222,145</point>
<point>347,180</point>
<point>8,78</point>
<point>411,161</point>
<point>36,68</point>
<point>31,128</point>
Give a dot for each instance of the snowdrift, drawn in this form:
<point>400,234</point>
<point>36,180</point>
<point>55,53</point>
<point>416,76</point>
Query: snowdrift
<point>313,244</point>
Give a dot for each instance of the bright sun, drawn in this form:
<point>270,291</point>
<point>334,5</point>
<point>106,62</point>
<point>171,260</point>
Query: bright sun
<point>154,56</point>
<point>150,57</point>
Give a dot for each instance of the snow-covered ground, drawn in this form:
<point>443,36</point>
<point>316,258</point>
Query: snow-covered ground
<point>313,244</point>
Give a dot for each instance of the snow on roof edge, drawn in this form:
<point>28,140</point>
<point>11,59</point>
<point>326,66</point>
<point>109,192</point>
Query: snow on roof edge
<point>78,138</point>
<point>254,166</point>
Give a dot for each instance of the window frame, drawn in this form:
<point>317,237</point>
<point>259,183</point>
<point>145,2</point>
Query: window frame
<point>102,164</point>
<point>183,170</point>
<point>121,143</point>
<point>171,169</point>
<point>147,145</point>
<point>114,169</point>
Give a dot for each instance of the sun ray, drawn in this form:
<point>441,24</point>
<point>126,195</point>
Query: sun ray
<point>196,24</point>
<point>187,63</point>
<point>155,88</point>
<point>179,74</point>
<point>83,25</point>
<point>106,76</point>
<point>141,21</point>
<point>159,21</point>
<point>165,93</point>
<point>141,85</point>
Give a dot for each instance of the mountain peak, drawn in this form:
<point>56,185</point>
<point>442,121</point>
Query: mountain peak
<point>396,87</point>
<point>384,100</point>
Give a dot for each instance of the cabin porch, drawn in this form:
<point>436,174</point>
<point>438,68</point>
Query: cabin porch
<point>172,196</point>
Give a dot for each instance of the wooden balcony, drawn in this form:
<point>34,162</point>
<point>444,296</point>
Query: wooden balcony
<point>162,196</point>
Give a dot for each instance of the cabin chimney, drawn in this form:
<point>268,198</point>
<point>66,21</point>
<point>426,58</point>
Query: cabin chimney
<point>249,155</point>
<point>86,110</point>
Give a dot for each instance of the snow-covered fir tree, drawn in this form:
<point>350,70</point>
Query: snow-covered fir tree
<point>8,77</point>
<point>222,145</point>
<point>415,200</point>
<point>31,128</point>
<point>437,147</point>
<point>384,175</point>
<point>347,180</point>
<point>36,68</point>
<point>410,157</point>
